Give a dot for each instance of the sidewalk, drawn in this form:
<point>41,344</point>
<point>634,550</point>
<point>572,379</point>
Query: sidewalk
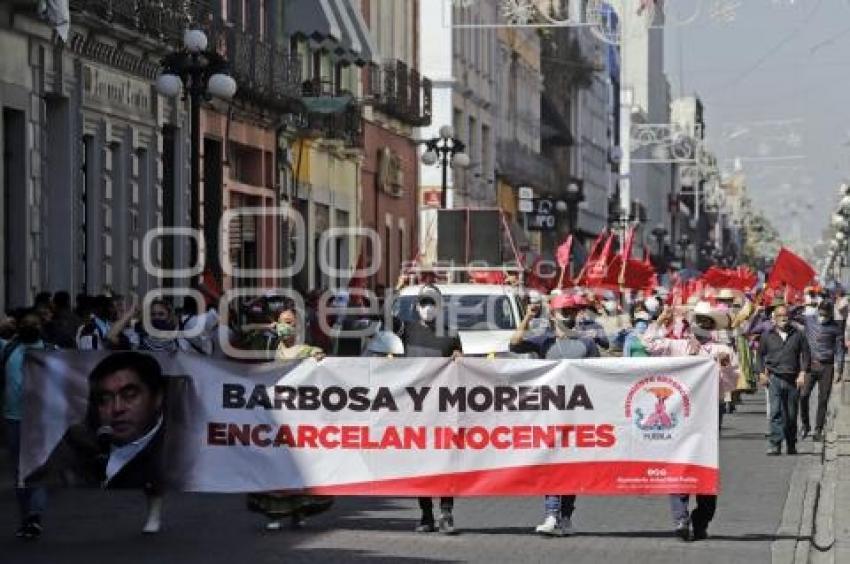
<point>831,539</point>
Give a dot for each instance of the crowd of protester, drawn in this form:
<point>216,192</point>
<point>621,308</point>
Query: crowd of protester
<point>786,348</point>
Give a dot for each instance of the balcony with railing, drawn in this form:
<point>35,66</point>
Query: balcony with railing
<point>265,72</point>
<point>400,92</point>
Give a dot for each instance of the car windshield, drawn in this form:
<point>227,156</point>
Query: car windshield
<point>465,313</point>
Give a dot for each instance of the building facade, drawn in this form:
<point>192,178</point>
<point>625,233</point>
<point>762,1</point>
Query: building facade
<point>399,101</point>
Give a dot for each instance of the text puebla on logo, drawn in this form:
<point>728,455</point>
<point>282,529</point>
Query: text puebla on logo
<point>657,405</point>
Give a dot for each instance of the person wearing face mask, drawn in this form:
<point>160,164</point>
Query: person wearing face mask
<point>587,325</point>
<point>698,340</point>
<point>633,345</point>
<point>561,342</point>
<point>428,337</point>
<point>276,506</point>
<point>161,318</point>
<point>31,500</point>
<point>826,344</point>
<point>784,360</point>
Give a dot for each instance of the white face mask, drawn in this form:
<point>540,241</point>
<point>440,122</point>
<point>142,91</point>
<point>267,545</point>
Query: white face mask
<point>427,313</point>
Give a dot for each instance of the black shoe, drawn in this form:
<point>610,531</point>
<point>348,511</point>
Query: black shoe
<point>792,450</point>
<point>700,533</point>
<point>426,525</point>
<point>30,530</point>
<point>804,432</point>
<point>683,530</point>
<point>774,451</point>
<point>818,436</point>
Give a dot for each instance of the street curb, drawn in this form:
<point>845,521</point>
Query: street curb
<point>831,545</point>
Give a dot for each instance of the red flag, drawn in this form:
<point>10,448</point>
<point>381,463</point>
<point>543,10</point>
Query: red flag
<point>487,277</point>
<point>563,254</point>
<point>592,255</point>
<point>790,269</point>
<point>741,278</point>
<point>358,280</point>
<point>596,269</point>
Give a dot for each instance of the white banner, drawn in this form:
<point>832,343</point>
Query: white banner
<point>366,426</point>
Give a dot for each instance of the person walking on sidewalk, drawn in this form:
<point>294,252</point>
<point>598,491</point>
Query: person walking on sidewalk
<point>562,341</point>
<point>428,337</point>
<point>826,343</point>
<point>784,361</point>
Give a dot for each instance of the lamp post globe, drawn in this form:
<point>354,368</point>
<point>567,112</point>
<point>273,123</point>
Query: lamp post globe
<point>447,132</point>
<point>195,40</point>
<point>222,86</point>
<point>460,160</point>
<point>430,157</point>
<point>169,85</point>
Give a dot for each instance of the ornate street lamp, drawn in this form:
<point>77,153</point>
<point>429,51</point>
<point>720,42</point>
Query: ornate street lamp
<point>201,74</point>
<point>570,205</point>
<point>447,151</point>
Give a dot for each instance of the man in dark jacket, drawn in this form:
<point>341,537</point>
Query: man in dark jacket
<point>784,358</point>
<point>428,337</point>
<point>120,443</point>
<point>826,343</point>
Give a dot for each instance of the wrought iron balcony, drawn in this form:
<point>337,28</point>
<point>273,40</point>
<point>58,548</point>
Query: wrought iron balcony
<point>401,92</point>
<point>265,73</point>
<point>345,126</point>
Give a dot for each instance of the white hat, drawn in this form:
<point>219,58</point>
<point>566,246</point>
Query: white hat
<point>386,342</point>
<point>704,309</point>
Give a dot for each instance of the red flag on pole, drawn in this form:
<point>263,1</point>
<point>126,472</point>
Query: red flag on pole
<point>564,252</point>
<point>790,269</point>
<point>592,256</point>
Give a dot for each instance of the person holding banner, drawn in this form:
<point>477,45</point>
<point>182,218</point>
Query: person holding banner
<point>561,342</point>
<point>31,500</point>
<point>698,341</point>
<point>274,505</point>
<point>425,338</point>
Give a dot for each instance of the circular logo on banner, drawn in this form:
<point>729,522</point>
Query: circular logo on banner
<point>657,406</point>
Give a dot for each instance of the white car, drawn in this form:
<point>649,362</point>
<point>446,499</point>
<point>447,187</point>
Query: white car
<point>483,315</point>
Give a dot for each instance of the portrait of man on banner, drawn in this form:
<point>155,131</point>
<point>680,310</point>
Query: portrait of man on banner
<point>120,444</point>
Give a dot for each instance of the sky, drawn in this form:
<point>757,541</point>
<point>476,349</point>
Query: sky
<point>774,77</point>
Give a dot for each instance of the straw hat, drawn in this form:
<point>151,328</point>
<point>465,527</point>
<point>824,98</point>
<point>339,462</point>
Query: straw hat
<point>705,309</point>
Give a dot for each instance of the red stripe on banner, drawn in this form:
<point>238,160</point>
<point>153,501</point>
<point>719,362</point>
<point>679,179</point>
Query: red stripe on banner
<point>585,478</point>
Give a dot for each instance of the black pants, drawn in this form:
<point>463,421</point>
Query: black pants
<point>822,376</point>
<point>426,504</point>
<point>701,516</point>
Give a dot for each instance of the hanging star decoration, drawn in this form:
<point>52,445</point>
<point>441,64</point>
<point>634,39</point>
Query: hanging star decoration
<point>518,12</point>
<point>724,11</point>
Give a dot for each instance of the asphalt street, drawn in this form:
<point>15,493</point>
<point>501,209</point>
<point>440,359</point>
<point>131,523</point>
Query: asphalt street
<point>89,527</point>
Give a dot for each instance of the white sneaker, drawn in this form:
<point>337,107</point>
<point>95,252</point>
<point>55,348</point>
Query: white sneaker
<point>551,526</point>
<point>274,525</point>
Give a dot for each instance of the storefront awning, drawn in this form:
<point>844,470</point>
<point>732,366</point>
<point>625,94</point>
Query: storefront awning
<point>369,50</point>
<point>313,19</point>
<point>335,25</point>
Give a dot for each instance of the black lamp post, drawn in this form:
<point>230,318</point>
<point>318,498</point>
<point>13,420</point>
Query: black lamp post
<point>684,242</point>
<point>570,204</point>
<point>200,73</point>
<point>448,152</point>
